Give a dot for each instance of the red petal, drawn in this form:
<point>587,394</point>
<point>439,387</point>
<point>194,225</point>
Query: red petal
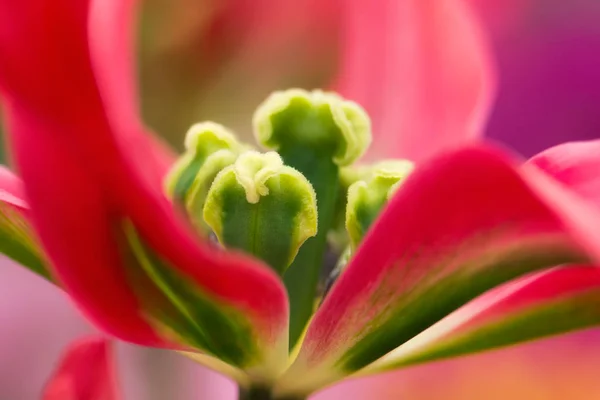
<point>85,172</point>
<point>460,225</point>
<point>84,373</point>
<point>239,280</point>
<point>422,70</point>
<point>576,165</point>
<point>77,226</point>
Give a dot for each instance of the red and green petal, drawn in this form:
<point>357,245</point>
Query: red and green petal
<point>89,168</point>
<point>17,237</point>
<point>549,303</point>
<point>85,372</point>
<point>238,282</point>
<point>423,71</point>
<point>460,225</point>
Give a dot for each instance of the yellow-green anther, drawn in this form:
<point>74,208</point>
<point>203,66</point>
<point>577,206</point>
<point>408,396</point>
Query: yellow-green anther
<point>367,197</point>
<point>297,116</point>
<point>209,148</point>
<point>263,207</point>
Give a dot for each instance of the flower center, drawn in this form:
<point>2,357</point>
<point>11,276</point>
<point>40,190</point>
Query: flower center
<point>292,204</point>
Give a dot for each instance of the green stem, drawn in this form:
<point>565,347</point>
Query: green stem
<point>261,393</point>
<point>302,276</point>
<point>254,393</point>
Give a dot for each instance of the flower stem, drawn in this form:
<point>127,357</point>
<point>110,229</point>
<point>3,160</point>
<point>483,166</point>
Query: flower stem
<point>261,393</point>
<point>302,276</point>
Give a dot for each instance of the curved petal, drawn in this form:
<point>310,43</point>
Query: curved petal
<point>76,226</point>
<point>43,126</point>
<point>17,237</point>
<point>549,303</point>
<point>84,373</point>
<point>424,257</point>
<point>85,173</point>
<point>422,70</point>
<point>244,283</point>
<point>576,165</point>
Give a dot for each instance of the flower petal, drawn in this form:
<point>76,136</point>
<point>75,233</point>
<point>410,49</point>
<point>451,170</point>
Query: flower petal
<point>422,70</point>
<point>84,373</point>
<point>576,165</point>
<point>87,168</point>
<point>76,226</point>
<point>17,238</point>
<point>460,225</point>
<point>237,281</point>
<point>548,303</point>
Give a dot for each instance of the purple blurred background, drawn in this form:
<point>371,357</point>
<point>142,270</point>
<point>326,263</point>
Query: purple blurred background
<point>549,62</point>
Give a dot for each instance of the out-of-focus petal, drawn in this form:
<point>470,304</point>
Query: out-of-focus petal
<point>76,225</point>
<point>84,373</point>
<point>193,57</point>
<point>229,278</point>
<point>549,303</point>
<point>426,257</point>
<point>576,165</point>
<point>422,70</point>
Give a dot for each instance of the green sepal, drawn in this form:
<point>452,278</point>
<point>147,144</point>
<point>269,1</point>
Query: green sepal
<point>368,196</point>
<point>315,133</point>
<point>262,207</point>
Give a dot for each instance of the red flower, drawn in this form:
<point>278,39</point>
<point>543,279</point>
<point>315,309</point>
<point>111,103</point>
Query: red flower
<point>464,222</point>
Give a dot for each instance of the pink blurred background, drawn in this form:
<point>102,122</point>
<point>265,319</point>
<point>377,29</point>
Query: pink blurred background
<point>549,61</point>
